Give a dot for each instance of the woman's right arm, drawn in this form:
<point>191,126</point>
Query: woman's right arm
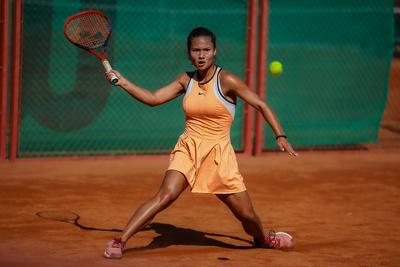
<point>158,97</point>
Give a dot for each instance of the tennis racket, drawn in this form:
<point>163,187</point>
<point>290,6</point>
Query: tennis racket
<point>91,30</point>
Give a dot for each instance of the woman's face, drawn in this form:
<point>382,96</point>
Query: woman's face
<point>202,52</point>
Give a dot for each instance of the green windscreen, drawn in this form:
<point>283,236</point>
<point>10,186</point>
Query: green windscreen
<point>336,57</point>
<point>335,54</point>
<point>68,108</point>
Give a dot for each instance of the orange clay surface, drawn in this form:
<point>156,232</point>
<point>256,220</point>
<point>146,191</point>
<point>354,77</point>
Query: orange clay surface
<point>342,207</point>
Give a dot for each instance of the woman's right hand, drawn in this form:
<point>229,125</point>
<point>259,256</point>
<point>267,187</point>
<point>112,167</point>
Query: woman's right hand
<point>121,80</point>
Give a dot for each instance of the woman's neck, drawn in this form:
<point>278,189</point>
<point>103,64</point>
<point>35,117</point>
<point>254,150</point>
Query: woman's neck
<point>205,75</point>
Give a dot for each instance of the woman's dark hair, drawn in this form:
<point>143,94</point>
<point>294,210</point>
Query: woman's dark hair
<point>201,31</point>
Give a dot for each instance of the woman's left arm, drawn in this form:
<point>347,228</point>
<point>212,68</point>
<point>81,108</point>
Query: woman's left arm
<point>232,85</point>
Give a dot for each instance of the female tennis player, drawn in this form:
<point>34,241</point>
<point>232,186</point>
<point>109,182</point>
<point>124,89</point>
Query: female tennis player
<point>203,157</point>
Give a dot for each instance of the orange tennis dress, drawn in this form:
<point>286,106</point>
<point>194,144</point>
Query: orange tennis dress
<point>204,153</point>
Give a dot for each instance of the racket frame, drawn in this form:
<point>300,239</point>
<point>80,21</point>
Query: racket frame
<point>103,55</point>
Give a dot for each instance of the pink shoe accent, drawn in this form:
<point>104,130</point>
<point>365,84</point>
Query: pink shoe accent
<point>114,249</point>
<point>278,240</point>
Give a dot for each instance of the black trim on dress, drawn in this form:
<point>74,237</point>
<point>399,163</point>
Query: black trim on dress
<point>220,90</point>
<point>216,67</point>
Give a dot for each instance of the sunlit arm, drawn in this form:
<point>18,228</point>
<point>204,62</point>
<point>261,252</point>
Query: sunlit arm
<point>234,86</point>
<point>158,97</point>
<point>239,88</point>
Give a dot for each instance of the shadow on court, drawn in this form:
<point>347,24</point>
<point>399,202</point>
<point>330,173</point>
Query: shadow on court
<point>168,234</point>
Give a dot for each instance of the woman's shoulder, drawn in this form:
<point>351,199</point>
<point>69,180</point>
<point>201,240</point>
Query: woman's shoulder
<point>228,78</point>
<point>186,75</point>
<point>184,78</point>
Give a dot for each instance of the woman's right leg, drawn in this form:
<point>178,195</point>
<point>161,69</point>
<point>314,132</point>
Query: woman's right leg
<point>173,185</point>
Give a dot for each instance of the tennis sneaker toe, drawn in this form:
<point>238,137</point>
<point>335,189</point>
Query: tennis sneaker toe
<point>276,240</point>
<point>279,240</point>
<point>114,249</point>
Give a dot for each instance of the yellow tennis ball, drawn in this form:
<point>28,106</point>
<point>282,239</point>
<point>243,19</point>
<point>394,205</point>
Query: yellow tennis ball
<point>275,68</point>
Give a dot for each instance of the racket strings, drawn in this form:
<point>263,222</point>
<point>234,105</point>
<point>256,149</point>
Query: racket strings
<point>90,31</point>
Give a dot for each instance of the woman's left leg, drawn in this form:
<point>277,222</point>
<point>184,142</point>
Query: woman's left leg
<point>241,206</point>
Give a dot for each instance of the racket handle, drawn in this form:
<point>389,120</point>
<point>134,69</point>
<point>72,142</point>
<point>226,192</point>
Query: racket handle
<point>108,68</point>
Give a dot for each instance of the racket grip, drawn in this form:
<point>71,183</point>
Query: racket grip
<point>108,68</point>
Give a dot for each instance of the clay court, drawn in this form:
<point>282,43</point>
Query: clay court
<point>341,206</point>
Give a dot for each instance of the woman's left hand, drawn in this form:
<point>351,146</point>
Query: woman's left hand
<point>284,145</point>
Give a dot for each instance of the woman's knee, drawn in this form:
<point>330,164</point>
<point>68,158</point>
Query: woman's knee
<point>173,185</point>
<point>166,197</point>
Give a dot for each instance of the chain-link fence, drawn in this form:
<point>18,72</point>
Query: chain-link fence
<point>67,105</point>
<point>336,57</point>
